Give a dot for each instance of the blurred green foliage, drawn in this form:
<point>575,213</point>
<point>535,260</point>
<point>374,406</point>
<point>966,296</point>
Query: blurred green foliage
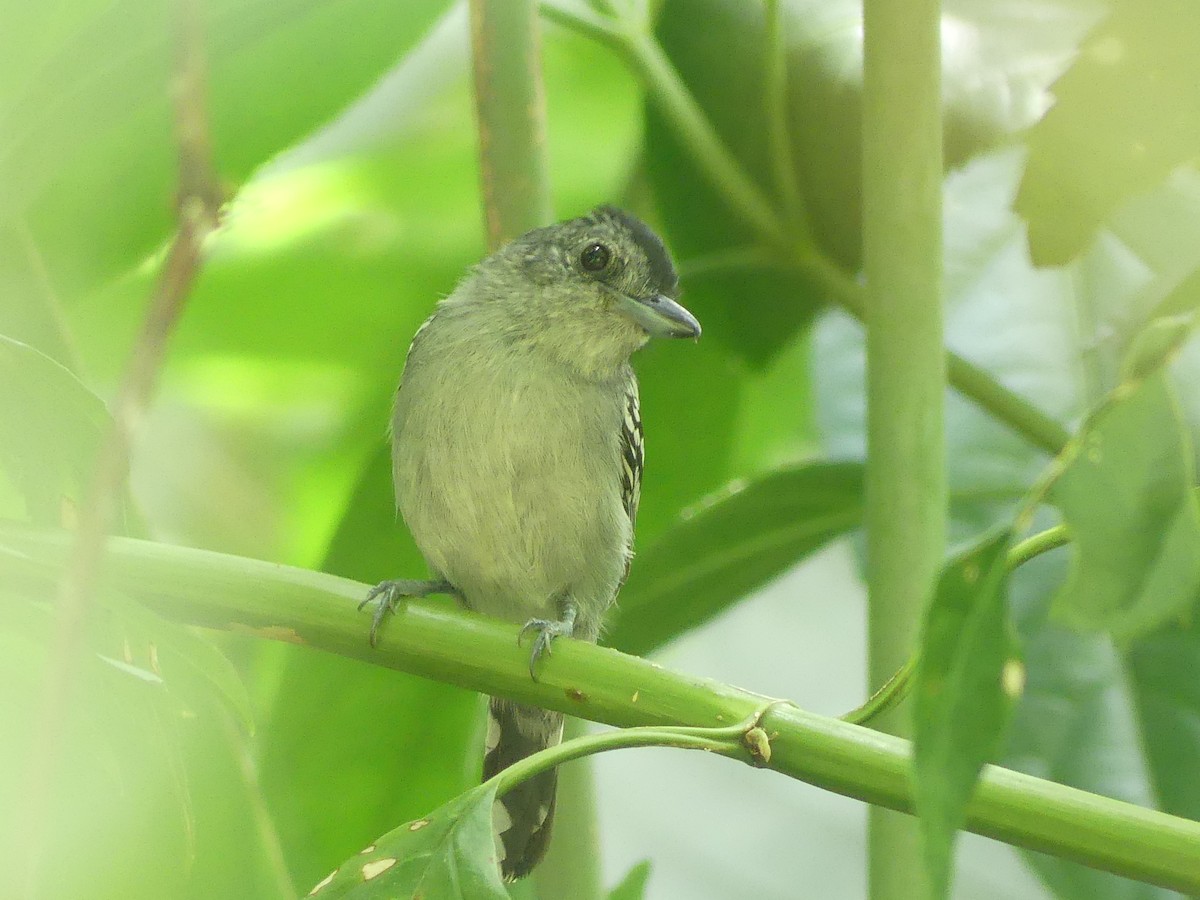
<point>194,765</point>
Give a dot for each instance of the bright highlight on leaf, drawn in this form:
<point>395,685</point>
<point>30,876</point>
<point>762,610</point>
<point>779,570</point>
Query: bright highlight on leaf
<point>966,686</point>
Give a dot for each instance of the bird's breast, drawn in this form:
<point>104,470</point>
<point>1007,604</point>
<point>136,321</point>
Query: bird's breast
<point>508,477</point>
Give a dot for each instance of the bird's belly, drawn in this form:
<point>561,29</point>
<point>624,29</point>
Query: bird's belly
<point>519,509</point>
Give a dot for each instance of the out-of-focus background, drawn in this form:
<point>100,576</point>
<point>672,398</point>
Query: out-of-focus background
<point>347,131</point>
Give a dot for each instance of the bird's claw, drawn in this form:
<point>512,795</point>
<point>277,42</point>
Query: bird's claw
<point>547,630</point>
<point>390,593</point>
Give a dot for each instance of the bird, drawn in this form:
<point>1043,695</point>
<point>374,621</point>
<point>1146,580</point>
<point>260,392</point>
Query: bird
<point>517,455</point>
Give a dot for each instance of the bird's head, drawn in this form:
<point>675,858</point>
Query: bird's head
<point>589,291</point>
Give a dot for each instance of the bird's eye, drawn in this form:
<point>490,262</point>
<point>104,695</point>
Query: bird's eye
<point>595,258</point>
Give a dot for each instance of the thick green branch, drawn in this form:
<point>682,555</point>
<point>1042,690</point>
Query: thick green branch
<point>317,610</point>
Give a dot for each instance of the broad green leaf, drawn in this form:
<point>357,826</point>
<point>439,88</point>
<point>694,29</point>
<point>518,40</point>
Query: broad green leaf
<point>1142,267</point>
<point>31,312</point>
<point>447,855</point>
<point>999,61</point>
<point>50,428</point>
<point>966,683</point>
<point>633,885</point>
<point>1080,723</point>
<point>732,545</point>
<point>190,663</point>
<point>1156,345</point>
<point>87,147</point>
<point>1125,115</point>
<point>1163,669</point>
<point>1126,494</point>
<point>131,756</point>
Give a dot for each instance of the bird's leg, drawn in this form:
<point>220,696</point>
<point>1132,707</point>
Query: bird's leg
<point>547,630</point>
<point>390,593</point>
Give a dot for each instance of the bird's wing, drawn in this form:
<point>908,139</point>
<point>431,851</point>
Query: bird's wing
<point>632,451</point>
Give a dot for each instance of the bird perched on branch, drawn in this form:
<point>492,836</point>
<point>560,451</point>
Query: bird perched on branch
<point>517,457</point>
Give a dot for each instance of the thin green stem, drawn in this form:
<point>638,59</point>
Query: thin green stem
<point>668,92</point>
<point>642,736</point>
<point>967,378</point>
<point>317,610</point>
<point>572,864</point>
<point>894,690</point>
<point>779,138</point>
<point>648,62</point>
<point>511,114</point>
<point>1037,544</point>
<point>1039,429</point>
<point>584,21</point>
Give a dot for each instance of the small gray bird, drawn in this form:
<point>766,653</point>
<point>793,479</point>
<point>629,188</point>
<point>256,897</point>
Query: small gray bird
<point>517,457</point>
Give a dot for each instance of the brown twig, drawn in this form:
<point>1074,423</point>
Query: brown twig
<point>199,204</point>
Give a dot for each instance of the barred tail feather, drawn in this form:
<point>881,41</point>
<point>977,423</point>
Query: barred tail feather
<point>522,817</point>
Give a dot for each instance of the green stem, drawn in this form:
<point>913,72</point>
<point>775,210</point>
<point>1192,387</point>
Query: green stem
<point>1037,544</point>
<point>1039,429</point>
<point>906,493</point>
<point>710,740</point>
<point>888,696</point>
<point>967,378</point>
<point>510,108</point>
<point>511,113</point>
<point>668,92</point>
<point>896,688</point>
<point>572,865</point>
<point>779,137</point>
<point>664,85</point>
<point>298,606</point>
<point>582,20</point>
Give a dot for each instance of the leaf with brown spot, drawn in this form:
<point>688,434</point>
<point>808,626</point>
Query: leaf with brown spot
<point>448,854</point>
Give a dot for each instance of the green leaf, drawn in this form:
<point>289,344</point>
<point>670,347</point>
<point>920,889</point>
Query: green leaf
<point>1082,722</point>
<point>188,662</point>
<point>963,694</point>
<point>1126,114</point>
<point>1156,345</point>
<point>86,131</point>
<point>633,885</point>
<point>156,749</point>
<point>1075,723</point>
<point>50,428</point>
<point>734,543</point>
<point>448,854</point>
<point>1126,495</point>
<point>999,62</point>
<point>1163,669</point>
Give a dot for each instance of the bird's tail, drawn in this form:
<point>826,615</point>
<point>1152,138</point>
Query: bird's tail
<point>522,818</point>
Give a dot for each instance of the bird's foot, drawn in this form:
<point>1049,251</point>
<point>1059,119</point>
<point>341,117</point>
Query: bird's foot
<point>389,594</point>
<point>547,630</point>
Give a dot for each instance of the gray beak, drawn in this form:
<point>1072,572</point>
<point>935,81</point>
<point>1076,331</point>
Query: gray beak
<point>659,315</point>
